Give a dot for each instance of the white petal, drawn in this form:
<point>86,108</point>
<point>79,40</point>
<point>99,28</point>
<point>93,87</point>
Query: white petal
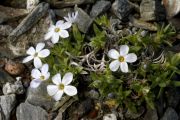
<point>58,95</point>
<point>60,22</point>
<point>39,47</point>
<point>124,49</point>
<point>114,65</point>
<point>113,54</point>
<point>31,51</point>
<point>35,73</point>
<point>52,89</point>
<point>44,53</point>
<point>64,33</point>
<point>56,79</point>
<point>66,25</point>
<point>55,38</point>
<point>37,62</point>
<point>35,83</point>
<point>47,75</point>
<point>51,28</point>
<point>27,59</point>
<point>67,79</point>
<point>44,69</point>
<point>48,35</point>
<point>67,19</point>
<point>124,67</point>
<point>131,57</point>
<point>70,90</point>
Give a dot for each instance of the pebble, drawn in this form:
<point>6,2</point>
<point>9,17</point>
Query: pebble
<point>110,117</point>
<point>170,114</point>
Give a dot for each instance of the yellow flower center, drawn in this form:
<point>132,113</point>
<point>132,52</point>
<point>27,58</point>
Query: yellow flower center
<point>36,54</point>
<point>57,29</point>
<point>42,77</point>
<point>121,59</point>
<point>61,87</point>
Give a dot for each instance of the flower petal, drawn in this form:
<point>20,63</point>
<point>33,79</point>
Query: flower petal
<point>55,38</point>
<point>114,65</point>
<point>124,49</point>
<point>124,67</point>
<point>35,73</point>
<point>31,51</point>
<point>70,90</point>
<point>44,69</point>
<point>44,53</point>
<point>35,83</point>
<point>67,79</point>
<point>48,35</point>
<point>37,62</point>
<point>56,79</point>
<point>59,22</point>
<point>39,47</point>
<point>113,54</point>
<point>52,89</point>
<point>27,59</point>
<point>58,95</point>
<point>131,57</point>
<point>64,33</point>
<point>67,19</point>
<point>66,25</point>
<point>47,75</point>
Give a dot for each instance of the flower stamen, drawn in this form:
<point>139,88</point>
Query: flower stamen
<point>61,87</point>
<point>57,29</point>
<point>42,77</point>
<point>121,59</point>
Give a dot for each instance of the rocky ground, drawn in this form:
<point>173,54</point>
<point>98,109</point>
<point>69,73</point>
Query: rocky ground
<point>25,22</point>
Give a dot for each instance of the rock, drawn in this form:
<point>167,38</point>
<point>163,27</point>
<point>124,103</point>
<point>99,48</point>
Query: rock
<point>31,4</point>
<point>143,25</point>
<point>92,94</point>
<point>173,97</point>
<point>172,7</point>
<point>8,13</point>
<point>14,68</point>
<point>132,115</point>
<point>151,115</point>
<point>63,12</point>
<point>110,117</point>
<point>33,36</point>
<point>121,8</point>
<point>7,103</point>
<point>83,20</point>
<point>4,77</point>
<point>2,117</point>
<point>100,7</point>
<point>30,20</point>
<point>16,88</point>
<point>15,3</point>
<point>5,30</point>
<point>39,97</point>
<point>170,114</point>
<point>27,111</point>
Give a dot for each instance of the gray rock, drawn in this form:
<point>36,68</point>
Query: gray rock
<point>31,4</point>
<point>5,77</point>
<point>92,94</point>
<point>39,97</point>
<point>15,88</point>
<point>132,115</point>
<point>151,115</point>
<point>7,103</point>
<point>63,12</point>
<point>121,8</point>
<point>30,20</point>
<point>170,114</point>
<point>27,111</point>
<point>83,20</point>
<point>16,3</point>
<point>173,97</point>
<point>100,7</point>
<point>110,117</point>
<point>2,117</point>
<point>5,30</point>
<point>8,13</point>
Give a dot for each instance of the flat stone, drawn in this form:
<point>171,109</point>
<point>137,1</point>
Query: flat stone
<point>26,111</point>
<point>31,4</point>
<point>83,20</point>
<point>39,97</point>
<point>151,115</point>
<point>8,13</point>
<point>121,8</point>
<point>63,12</point>
<point>100,7</point>
<point>7,103</point>
<point>170,114</point>
<point>110,117</point>
<point>5,77</point>
<point>5,30</point>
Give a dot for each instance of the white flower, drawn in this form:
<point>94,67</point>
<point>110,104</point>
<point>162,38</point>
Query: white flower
<point>39,75</point>
<point>61,86</point>
<point>36,54</point>
<point>121,58</point>
<point>58,30</point>
<point>71,18</point>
